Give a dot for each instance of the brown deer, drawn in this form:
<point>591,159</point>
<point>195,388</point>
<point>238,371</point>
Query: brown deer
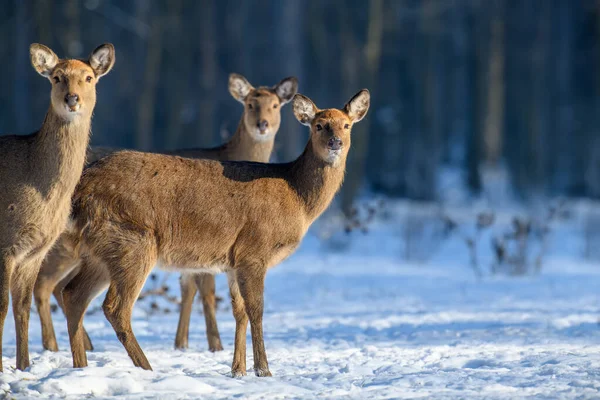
<point>133,210</point>
<point>253,141</point>
<point>39,173</point>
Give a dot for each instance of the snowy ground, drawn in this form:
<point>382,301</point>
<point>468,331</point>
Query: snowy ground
<point>359,322</point>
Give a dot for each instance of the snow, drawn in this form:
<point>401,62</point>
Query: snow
<point>350,317</point>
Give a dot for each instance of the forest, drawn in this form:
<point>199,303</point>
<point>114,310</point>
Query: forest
<point>501,95</point>
<point>460,258</point>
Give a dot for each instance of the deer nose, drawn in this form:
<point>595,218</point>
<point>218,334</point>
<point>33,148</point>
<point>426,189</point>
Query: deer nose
<point>262,125</point>
<point>71,99</point>
<point>335,143</point>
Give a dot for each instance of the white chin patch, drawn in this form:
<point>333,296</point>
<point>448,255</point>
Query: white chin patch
<point>72,112</point>
<point>262,136</point>
<point>333,156</point>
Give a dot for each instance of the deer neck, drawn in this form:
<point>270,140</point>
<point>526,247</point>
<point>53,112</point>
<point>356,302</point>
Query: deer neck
<point>59,153</point>
<point>242,147</point>
<point>316,182</point>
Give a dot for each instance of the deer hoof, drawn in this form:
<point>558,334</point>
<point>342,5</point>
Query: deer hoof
<point>238,373</point>
<point>262,372</point>
<point>217,347</point>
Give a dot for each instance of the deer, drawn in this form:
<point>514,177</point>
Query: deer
<point>39,173</point>
<point>133,210</point>
<point>253,140</point>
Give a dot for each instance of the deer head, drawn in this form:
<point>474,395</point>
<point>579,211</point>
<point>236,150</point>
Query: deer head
<point>330,129</point>
<point>262,106</point>
<point>73,81</point>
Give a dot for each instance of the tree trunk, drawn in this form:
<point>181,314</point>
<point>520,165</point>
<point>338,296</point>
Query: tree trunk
<point>20,99</point>
<point>592,167</point>
<point>458,95</point>
<point>350,72</point>
<point>205,127</point>
<point>427,151</point>
<point>478,89</point>
<point>290,26</point>
<point>538,115</point>
<point>176,73</point>
<point>493,129</point>
<point>147,102</point>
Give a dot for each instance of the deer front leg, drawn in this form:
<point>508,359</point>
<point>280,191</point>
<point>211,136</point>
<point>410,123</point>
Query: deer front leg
<point>188,291</point>
<point>251,281</point>
<point>206,286</point>
<point>55,270</point>
<point>6,268</point>
<point>238,367</point>
<point>22,283</point>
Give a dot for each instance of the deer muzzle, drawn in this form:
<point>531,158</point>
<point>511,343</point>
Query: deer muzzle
<point>72,100</point>
<point>334,143</point>
<point>262,126</point>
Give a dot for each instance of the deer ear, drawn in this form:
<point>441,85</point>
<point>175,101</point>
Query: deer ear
<point>43,59</point>
<point>304,109</point>
<point>239,87</point>
<point>102,59</point>
<point>358,106</point>
<point>286,89</point>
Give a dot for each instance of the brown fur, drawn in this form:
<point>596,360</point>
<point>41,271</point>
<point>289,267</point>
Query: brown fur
<point>132,210</point>
<point>247,144</point>
<point>38,174</point>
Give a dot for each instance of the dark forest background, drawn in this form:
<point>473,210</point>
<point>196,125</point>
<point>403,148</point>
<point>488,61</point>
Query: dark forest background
<point>488,91</point>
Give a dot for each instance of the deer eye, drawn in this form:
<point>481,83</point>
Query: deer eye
<point>275,105</point>
<point>88,79</point>
<point>347,126</point>
<point>56,79</point>
<point>319,127</point>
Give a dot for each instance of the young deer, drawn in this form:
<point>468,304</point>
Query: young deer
<point>253,141</point>
<point>39,173</point>
<point>133,210</point>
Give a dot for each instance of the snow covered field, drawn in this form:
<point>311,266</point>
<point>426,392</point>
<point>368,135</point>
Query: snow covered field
<point>358,322</point>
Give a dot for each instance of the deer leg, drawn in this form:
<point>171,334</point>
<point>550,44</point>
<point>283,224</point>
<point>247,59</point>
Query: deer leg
<point>22,283</point>
<point>53,270</point>
<point>128,275</point>
<point>188,291</point>
<point>42,292</point>
<point>57,292</point>
<point>76,297</point>
<point>206,286</point>
<point>238,367</point>
<point>252,286</point>
<point>6,270</point>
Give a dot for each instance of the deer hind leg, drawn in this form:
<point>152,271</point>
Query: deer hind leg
<point>57,269</point>
<point>6,268</point>
<point>129,271</point>
<point>21,288</point>
<point>238,367</point>
<point>206,286</point>
<point>58,291</point>
<point>188,291</point>
<point>77,294</point>
<point>251,281</point>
